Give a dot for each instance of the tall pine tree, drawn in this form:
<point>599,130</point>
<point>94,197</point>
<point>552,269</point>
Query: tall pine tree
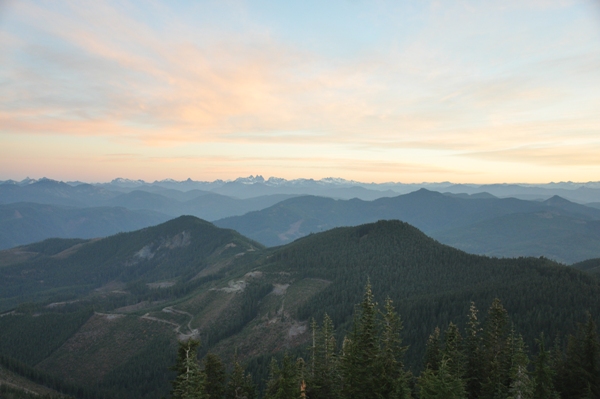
<point>360,368</point>
<point>433,351</point>
<point>543,374</point>
<point>240,384</point>
<point>441,384</point>
<point>495,353</point>
<point>521,385</point>
<point>190,380</point>
<point>472,348</point>
<point>284,382</point>
<point>324,378</point>
<point>580,368</point>
<point>452,351</point>
<point>394,381</point>
<point>215,376</point>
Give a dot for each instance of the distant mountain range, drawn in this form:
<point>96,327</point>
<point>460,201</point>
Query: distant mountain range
<point>34,210</point>
<point>254,186</point>
<point>496,220</point>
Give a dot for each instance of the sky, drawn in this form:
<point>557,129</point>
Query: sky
<point>481,91</point>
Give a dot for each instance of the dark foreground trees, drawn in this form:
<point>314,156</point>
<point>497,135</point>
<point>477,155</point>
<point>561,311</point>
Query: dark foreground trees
<point>487,361</point>
<point>192,382</point>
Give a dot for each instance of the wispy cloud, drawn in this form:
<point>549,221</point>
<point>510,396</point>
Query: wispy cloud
<point>471,80</point>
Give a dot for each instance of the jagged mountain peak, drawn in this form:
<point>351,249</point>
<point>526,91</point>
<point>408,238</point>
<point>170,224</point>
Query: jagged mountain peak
<point>250,179</point>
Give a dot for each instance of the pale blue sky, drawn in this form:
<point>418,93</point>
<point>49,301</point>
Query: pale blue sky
<point>466,91</point>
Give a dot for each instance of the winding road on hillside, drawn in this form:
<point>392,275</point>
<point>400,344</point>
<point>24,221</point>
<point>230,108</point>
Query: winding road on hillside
<point>180,335</point>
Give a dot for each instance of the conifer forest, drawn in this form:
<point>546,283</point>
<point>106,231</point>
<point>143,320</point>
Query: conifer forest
<point>486,360</point>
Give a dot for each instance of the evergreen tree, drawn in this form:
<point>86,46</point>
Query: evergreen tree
<point>240,384</point>
<point>190,380</point>
<point>394,382</point>
<point>580,374</point>
<point>521,386</point>
<point>360,368</point>
<point>249,388</point>
<point>323,379</point>
<point>473,354</point>
<point>441,384</point>
<point>314,349</point>
<point>403,386</point>
<point>591,357</point>
<point>557,363</point>
<point>452,351</point>
<point>495,353</point>
<point>215,376</point>
<point>433,352</point>
<point>284,382</point>
<point>543,374</point>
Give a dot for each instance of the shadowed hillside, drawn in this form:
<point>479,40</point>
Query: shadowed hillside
<point>111,308</point>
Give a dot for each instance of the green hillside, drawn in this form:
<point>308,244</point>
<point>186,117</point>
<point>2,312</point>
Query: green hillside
<point>590,265</point>
<point>432,283</point>
<point>15,386</point>
<point>115,334</point>
<point>172,253</point>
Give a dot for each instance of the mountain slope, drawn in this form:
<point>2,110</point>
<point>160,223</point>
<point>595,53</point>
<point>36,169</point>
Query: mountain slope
<point>553,234</point>
<point>180,247</point>
<point>24,386</point>
<point>431,284</point>
<point>296,217</point>
<point>258,302</point>
<point>590,265</point>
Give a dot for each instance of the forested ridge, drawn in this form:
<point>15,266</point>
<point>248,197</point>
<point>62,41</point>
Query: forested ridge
<point>63,269</point>
<point>432,283</point>
<point>252,304</point>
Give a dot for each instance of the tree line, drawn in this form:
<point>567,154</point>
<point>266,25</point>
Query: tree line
<point>488,360</point>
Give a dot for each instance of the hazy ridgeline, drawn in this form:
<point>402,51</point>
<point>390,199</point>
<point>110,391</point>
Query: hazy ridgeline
<point>495,220</point>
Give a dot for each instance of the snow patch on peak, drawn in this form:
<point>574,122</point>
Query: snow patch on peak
<point>250,179</point>
<point>26,181</point>
<point>338,181</point>
<point>276,181</point>
<point>119,181</point>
